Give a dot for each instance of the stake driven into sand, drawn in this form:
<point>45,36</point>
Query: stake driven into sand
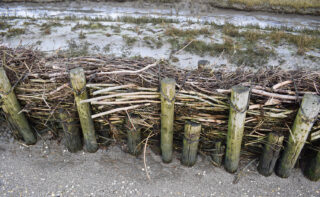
<point>71,131</point>
<point>133,135</point>
<point>238,108</point>
<point>167,117</point>
<point>270,153</point>
<point>12,109</point>
<point>218,153</point>
<point>78,82</point>
<point>190,143</point>
<point>312,170</point>
<point>302,125</point>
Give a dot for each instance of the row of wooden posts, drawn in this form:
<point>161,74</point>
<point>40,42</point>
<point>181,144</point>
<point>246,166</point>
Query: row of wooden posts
<point>239,101</point>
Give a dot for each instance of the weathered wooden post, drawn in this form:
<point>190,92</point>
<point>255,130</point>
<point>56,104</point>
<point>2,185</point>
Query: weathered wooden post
<point>312,170</point>
<point>302,125</point>
<point>238,107</point>
<point>202,64</point>
<point>167,117</point>
<point>134,135</point>
<point>217,154</point>
<point>190,143</point>
<point>71,131</point>
<point>12,108</point>
<point>78,82</point>
<point>270,153</point>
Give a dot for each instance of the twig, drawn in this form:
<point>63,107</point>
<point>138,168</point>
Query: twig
<point>130,121</point>
<point>94,85</point>
<point>44,99</point>
<point>315,87</point>
<point>112,88</point>
<point>279,96</point>
<point>183,47</point>
<point>241,172</point>
<point>118,95</point>
<point>23,144</point>
<point>144,156</point>
<point>59,88</point>
<point>149,96</point>
<point>264,93</point>
<point>123,102</point>
<point>281,84</point>
<point>130,71</point>
<point>209,158</point>
<point>117,110</point>
<point>294,140</point>
<point>195,97</point>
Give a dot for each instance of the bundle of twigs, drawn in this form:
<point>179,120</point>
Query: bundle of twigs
<point>119,87</point>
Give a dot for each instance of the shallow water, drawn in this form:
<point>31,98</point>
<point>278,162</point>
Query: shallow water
<point>195,13</point>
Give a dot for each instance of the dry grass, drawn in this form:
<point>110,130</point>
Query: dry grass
<point>230,30</point>
<point>276,36</point>
<point>82,35</point>
<point>144,20</point>
<point>202,48</point>
<point>253,56</point>
<point>91,25</point>
<point>153,42</point>
<point>297,4</point>
<point>46,27</point>
<point>130,41</point>
<point>15,31</point>
<point>252,36</point>
<point>4,25</point>
<point>302,41</point>
<point>172,31</point>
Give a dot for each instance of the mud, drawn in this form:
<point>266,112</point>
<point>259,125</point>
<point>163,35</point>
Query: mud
<point>105,35</point>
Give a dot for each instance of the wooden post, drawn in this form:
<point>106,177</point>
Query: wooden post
<point>217,154</point>
<point>190,143</point>
<point>78,82</point>
<point>238,107</point>
<point>134,135</point>
<point>270,153</point>
<point>202,64</point>
<point>167,116</point>
<point>71,131</point>
<point>302,125</point>
<point>312,170</point>
<point>12,108</point>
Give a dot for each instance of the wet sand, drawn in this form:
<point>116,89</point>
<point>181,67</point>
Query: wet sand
<point>52,171</point>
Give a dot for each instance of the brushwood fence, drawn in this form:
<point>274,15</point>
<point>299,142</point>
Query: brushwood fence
<point>224,114</point>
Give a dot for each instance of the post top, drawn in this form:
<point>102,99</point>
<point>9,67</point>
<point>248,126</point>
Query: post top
<point>168,81</point>
<point>76,71</point>
<point>193,123</point>
<point>277,133</point>
<point>310,105</point>
<point>240,89</point>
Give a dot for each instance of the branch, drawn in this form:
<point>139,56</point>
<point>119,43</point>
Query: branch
<point>281,84</point>
<point>273,95</point>
<point>112,88</point>
<point>264,93</point>
<point>117,110</point>
<point>130,71</point>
